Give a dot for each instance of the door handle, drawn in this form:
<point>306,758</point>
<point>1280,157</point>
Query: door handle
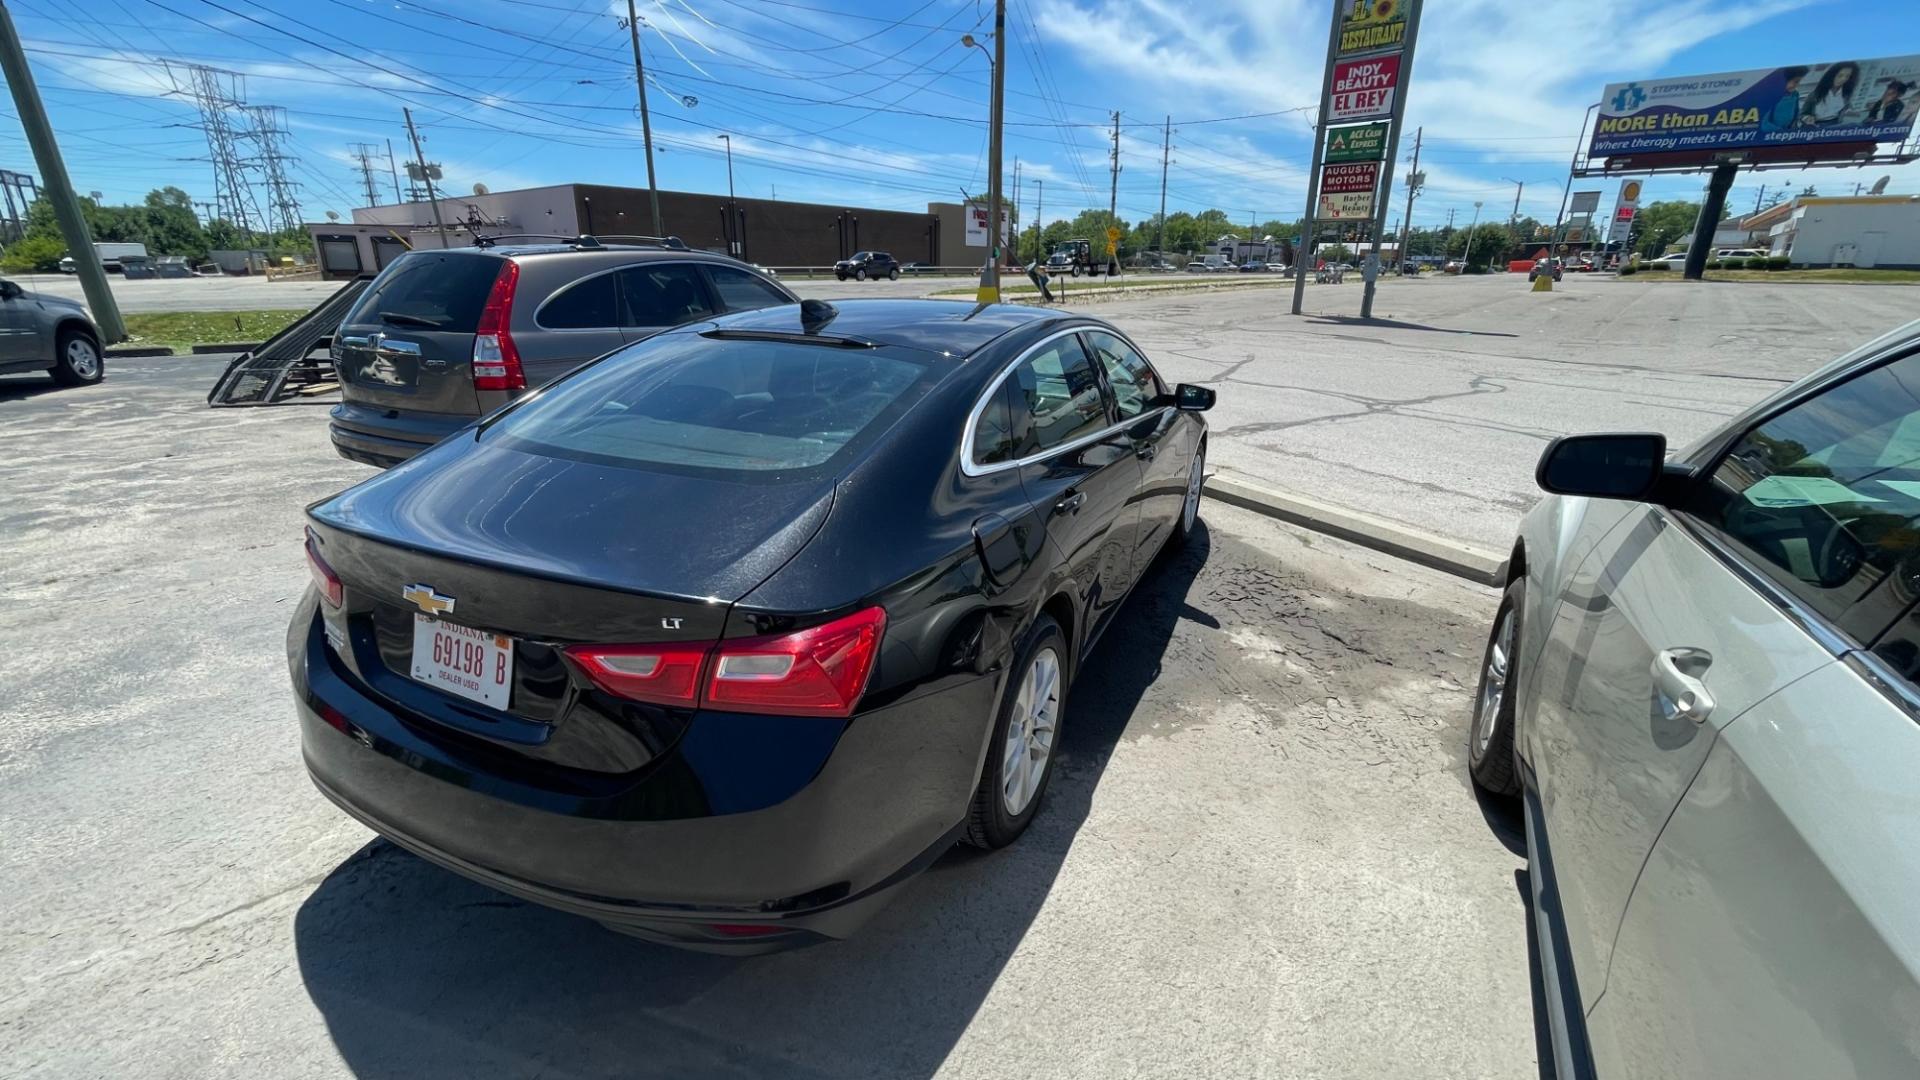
<point>1676,678</point>
<point>1070,504</point>
<point>1144,451</point>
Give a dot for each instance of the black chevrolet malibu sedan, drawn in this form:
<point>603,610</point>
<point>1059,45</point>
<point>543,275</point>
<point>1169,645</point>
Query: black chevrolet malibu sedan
<point>721,636</point>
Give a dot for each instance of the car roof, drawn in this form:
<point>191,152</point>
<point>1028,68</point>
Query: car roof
<point>958,327</point>
<point>519,251</point>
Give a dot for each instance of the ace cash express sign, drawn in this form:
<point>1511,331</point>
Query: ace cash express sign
<point>1364,88</point>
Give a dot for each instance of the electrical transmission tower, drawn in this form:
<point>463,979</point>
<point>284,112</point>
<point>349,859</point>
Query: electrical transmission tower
<point>269,136</point>
<point>218,95</point>
<point>363,153</point>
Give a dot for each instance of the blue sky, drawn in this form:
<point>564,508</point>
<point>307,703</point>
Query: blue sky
<point>876,102</point>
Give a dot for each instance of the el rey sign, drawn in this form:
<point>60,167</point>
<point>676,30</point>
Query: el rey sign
<point>1363,89</point>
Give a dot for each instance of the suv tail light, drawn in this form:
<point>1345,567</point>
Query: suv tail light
<point>324,578</point>
<point>496,360</point>
<point>819,671</point>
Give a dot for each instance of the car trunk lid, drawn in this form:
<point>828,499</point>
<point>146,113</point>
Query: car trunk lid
<point>408,344</point>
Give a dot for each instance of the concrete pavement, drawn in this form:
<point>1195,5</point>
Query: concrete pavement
<point>1261,859</point>
<point>1435,412</point>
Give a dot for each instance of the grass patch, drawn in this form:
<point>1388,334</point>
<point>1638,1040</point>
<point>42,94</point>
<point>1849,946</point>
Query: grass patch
<point>182,329</point>
<point>1836,276</point>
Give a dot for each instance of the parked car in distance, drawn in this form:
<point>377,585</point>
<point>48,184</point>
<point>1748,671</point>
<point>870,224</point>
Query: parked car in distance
<point>1553,268</point>
<point>1674,261</point>
<point>110,255</point>
<point>1703,682</point>
<point>1453,266</point>
<point>724,635</point>
<point>917,268</point>
<point>1253,266</point>
<point>1739,253</point>
<point>442,337</point>
<point>48,333</point>
<point>867,264</point>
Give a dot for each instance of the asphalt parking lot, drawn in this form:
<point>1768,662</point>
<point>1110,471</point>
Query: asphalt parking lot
<point>1261,855</point>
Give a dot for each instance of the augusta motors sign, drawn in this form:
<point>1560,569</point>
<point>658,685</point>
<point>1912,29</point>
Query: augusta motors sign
<point>1363,89</point>
<point>1346,190</point>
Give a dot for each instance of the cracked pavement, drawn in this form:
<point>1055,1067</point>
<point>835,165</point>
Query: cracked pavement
<point>1261,856</point>
<point>1434,413</point>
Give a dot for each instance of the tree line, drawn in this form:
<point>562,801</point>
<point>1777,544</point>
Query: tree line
<point>164,222</point>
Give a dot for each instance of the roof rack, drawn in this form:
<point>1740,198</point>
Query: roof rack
<point>664,241</point>
<point>586,241</point>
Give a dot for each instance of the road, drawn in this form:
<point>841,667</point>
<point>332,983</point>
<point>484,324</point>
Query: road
<point>1261,859</point>
<point>1435,412</point>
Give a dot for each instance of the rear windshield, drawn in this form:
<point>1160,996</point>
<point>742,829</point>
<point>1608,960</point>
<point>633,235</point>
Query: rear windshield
<point>743,409</point>
<point>447,288</point>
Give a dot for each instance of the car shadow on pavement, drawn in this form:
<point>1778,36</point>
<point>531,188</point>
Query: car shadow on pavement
<point>421,973</point>
<point>1395,324</point>
<point>20,387</point>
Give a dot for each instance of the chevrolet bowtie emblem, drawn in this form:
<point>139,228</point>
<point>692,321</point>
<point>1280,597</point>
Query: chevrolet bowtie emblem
<point>424,598</point>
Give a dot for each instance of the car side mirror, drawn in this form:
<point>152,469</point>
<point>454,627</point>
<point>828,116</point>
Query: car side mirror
<point>1190,398</point>
<point>1621,466</point>
<point>9,291</point>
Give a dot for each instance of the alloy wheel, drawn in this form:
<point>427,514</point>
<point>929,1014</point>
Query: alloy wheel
<point>1493,684</point>
<point>82,358</point>
<point>1030,729</point>
<point>1191,510</point>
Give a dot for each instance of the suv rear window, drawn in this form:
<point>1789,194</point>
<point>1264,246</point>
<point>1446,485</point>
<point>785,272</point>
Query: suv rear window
<point>446,287</point>
<point>742,409</point>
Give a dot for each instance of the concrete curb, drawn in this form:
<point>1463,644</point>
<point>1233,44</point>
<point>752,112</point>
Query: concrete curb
<point>138,350</point>
<point>1401,541</point>
<point>227,346</point>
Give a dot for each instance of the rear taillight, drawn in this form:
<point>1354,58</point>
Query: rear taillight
<point>496,360</point>
<point>819,671</point>
<point>324,578</point>
<point>662,674</point>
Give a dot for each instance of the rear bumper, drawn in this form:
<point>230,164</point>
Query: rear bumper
<point>387,437</point>
<point>866,810</point>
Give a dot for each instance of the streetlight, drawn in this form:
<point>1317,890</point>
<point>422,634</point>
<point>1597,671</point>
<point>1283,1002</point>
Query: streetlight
<point>989,292</point>
<point>1518,187</point>
<point>1468,257</point>
<point>733,246</point>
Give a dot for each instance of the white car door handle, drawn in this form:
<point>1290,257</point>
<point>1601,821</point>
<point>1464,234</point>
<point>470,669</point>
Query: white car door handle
<point>1682,694</point>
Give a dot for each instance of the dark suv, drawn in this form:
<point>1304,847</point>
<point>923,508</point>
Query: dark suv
<point>442,337</point>
<point>867,264</point>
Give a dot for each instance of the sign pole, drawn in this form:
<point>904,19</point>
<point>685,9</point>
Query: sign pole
<point>1386,166</point>
<point>1300,258</point>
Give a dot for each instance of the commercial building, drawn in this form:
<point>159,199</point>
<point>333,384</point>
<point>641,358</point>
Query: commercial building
<point>765,231</point>
<point>1865,231</point>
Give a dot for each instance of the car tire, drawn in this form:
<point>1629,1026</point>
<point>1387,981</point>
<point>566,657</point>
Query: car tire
<point>76,359</point>
<point>1490,756</point>
<point>860,274</point>
<point>839,277</point>
<point>1001,811</point>
<point>893,275</point>
<point>1190,505</point>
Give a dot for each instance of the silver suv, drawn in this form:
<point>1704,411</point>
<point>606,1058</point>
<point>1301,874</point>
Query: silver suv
<point>47,333</point>
<point>442,337</point>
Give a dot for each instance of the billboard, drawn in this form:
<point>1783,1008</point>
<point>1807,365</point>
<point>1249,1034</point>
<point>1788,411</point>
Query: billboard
<point>1584,202</point>
<point>1852,101</point>
<point>1346,190</point>
<point>976,231</point>
<point>1368,142</point>
<point>1372,25</point>
<point>1363,89</point>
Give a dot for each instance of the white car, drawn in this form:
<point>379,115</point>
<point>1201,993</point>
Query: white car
<point>1739,253</point>
<point>1674,261</point>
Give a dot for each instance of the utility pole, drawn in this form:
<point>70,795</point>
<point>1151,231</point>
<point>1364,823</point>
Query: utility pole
<point>646,122</point>
<point>362,152</point>
<point>1113,187</point>
<point>420,156</point>
<point>58,188</point>
<point>1476,224</point>
<point>1039,222</point>
<point>1414,180</point>
<point>1519,186</point>
<point>1166,149</point>
<point>395,169</point>
<point>989,292</point>
<point>1379,219</point>
<point>1016,210</point>
<point>734,247</point>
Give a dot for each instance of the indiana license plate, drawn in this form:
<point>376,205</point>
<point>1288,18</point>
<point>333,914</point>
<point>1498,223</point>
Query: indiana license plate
<point>464,661</point>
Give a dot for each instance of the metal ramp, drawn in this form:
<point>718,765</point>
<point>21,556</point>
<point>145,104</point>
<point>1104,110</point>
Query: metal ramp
<point>283,368</point>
